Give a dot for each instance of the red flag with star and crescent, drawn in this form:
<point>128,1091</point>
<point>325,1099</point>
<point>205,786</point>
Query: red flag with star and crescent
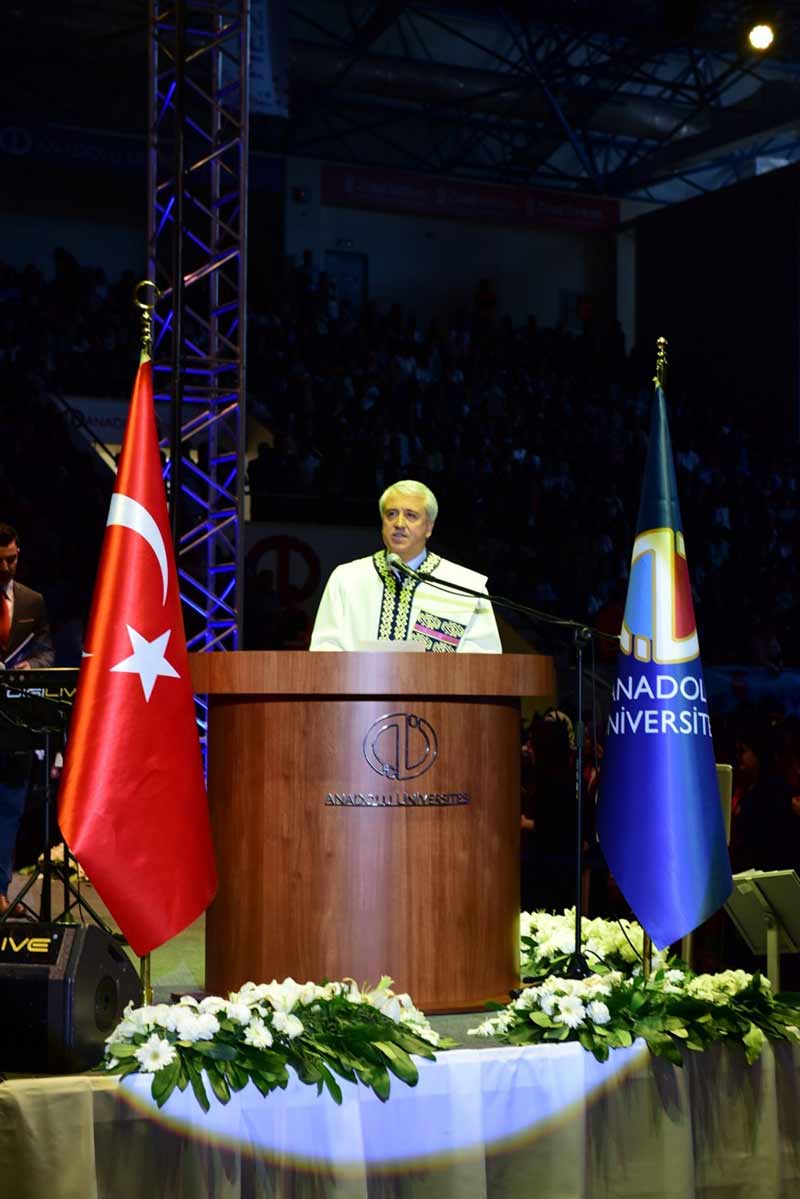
<point>132,801</point>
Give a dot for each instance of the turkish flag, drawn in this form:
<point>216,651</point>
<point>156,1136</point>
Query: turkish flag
<point>132,802</point>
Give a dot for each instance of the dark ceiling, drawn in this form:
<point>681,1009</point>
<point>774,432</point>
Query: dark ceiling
<point>651,99</point>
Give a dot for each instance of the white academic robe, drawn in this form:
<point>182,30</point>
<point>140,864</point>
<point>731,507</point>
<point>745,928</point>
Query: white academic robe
<point>364,601</point>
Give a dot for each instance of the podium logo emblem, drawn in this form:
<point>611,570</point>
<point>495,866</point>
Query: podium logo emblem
<point>400,745</point>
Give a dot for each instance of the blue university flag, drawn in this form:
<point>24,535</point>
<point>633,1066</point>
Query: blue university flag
<point>660,820</point>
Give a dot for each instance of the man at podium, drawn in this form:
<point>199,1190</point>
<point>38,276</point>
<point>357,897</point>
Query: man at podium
<point>396,594</point>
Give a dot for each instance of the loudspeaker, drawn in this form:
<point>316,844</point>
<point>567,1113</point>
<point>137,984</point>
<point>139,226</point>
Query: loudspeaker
<point>63,988</point>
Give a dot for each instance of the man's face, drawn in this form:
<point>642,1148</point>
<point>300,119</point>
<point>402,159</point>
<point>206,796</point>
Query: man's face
<point>405,528</point>
<point>9,555</point>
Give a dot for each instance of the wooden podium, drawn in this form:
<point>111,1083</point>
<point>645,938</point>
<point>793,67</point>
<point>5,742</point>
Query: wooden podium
<point>366,818</point>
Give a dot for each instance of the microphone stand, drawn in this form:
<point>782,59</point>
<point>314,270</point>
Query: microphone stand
<point>577,966</point>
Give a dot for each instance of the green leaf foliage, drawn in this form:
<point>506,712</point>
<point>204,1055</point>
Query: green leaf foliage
<point>164,1081</point>
<point>196,1080</point>
<point>399,1062</point>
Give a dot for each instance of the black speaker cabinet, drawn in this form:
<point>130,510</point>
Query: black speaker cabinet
<point>63,988</point>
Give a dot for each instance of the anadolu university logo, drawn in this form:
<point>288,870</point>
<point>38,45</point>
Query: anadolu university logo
<point>400,745</point>
<point>662,693</point>
<point>659,624</point>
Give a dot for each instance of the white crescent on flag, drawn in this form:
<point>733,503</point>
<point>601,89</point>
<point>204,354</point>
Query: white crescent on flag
<point>130,514</point>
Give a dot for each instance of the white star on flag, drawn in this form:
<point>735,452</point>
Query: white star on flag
<point>147,660</point>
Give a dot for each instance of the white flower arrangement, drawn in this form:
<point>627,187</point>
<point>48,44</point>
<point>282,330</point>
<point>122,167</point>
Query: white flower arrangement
<point>359,1034</point>
<point>547,940</point>
<point>672,1010</point>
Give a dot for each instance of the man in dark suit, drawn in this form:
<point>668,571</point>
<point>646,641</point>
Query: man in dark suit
<point>24,643</point>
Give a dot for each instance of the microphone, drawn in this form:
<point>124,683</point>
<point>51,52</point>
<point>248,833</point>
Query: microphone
<point>396,563</point>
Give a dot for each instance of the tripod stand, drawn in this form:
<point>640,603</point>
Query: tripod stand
<point>29,722</point>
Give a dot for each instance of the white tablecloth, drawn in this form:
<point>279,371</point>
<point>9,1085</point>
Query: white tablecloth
<point>544,1123</point>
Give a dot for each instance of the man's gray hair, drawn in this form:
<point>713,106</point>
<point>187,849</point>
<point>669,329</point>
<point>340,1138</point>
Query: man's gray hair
<point>411,487</point>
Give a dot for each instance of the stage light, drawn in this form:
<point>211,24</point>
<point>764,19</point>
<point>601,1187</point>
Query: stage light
<point>761,36</point>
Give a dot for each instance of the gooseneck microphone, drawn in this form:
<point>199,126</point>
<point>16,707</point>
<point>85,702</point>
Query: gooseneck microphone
<point>396,563</point>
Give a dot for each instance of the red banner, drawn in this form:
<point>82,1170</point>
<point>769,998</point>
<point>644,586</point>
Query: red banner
<point>461,199</point>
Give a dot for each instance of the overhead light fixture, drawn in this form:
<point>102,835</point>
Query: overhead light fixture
<point>761,36</point>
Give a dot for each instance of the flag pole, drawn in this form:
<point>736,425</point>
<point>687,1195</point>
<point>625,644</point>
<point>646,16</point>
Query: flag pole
<point>146,309</point>
<point>661,362</point>
<point>659,380</point>
<point>146,979</point>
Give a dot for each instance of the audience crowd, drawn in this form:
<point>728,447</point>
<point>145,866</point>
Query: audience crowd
<point>534,439</point>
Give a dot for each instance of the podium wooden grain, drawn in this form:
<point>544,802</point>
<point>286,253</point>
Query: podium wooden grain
<point>427,894</point>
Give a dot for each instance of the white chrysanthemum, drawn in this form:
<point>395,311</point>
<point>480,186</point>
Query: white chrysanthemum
<point>154,1054</point>
<point>195,1026</point>
<point>126,1030</point>
<point>594,947</point>
<point>718,988</point>
<point>547,1004</point>
<point>570,1011</point>
<point>550,984</point>
<point>598,1012</point>
<point>391,1008</point>
<point>331,990</point>
<point>674,976</point>
<point>240,1012</point>
<point>139,1018</point>
<point>571,986</point>
<point>484,1029</point>
<point>188,1001</point>
<point>163,1015</point>
<point>701,989</point>
<point>597,986</point>
<point>248,993</point>
<point>309,992</point>
<point>281,997</point>
<point>287,1024</point>
<point>399,1008</point>
<point>527,999</point>
<point>213,1004</point>
<point>423,1030</point>
<point>257,1034</point>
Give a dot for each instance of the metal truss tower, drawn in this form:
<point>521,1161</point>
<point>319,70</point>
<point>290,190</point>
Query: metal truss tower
<point>197,238</point>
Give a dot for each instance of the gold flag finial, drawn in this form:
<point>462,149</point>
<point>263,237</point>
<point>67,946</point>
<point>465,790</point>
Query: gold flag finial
<point>661,362</point>
<point>147,309</point>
